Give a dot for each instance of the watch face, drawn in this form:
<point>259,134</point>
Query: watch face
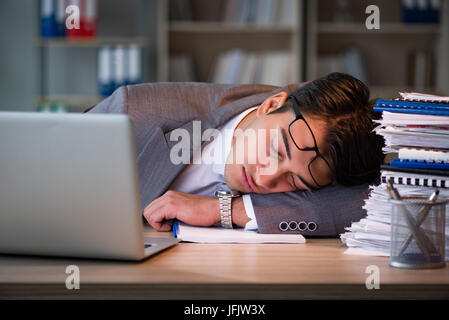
<point>235,194</point>
<point>228,193</point>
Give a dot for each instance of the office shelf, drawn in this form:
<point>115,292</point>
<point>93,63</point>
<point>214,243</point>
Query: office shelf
<point>385,28</point>
<point>77,102</point>
<point>226,27</point>
<point>208,34</point>
<point>68,65</point>
<point>314,34</point>
<point>91,42</point>
<point>390,57</point>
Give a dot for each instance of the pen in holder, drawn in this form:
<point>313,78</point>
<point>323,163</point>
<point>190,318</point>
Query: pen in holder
<point>417,230</point>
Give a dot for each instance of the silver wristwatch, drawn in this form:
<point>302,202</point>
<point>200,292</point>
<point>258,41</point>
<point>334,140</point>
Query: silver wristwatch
<point>225,197</point>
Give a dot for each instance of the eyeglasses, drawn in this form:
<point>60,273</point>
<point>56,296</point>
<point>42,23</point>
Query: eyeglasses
<point>318,165</point>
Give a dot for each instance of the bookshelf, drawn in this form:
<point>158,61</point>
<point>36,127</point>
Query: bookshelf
<point>77,102</point>
<point>204,31</point>
<point>388,54</point>
<point>207,31</point>
<point>314,35</point>
<point>68,66</point>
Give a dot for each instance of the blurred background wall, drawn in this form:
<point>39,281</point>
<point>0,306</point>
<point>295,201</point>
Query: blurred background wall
<point>18,55</point>
<point>227,41</point>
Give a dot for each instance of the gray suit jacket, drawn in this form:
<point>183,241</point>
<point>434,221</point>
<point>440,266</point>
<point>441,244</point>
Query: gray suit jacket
<point>158,108</point>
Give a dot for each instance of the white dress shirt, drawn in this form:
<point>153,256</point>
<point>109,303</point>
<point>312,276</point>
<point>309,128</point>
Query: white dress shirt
<point>206,174</point>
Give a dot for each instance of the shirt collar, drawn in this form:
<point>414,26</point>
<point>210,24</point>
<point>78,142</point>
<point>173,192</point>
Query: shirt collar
<point>226,133</point>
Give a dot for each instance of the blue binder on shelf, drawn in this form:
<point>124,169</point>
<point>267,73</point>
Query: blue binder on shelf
<point>48,19</point>
<point>404,106</point>
<point>422,11</point>
<point>420,164</point>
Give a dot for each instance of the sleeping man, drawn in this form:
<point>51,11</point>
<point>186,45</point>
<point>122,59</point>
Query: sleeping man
<point>296,159</point>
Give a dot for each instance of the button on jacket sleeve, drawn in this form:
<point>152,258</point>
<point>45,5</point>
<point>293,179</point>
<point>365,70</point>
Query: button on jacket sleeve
<point>326,211</point>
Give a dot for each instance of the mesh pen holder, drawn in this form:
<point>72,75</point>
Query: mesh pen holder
<point>417,233</point>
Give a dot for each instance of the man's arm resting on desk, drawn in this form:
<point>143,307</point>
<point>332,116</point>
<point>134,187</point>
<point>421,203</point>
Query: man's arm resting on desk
<point>191,209</point>
<point>329,210</point>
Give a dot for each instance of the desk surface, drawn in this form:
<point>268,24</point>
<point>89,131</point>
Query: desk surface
<point>317,269</point>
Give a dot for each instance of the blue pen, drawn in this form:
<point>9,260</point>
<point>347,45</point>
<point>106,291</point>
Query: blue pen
<point>175,228</point>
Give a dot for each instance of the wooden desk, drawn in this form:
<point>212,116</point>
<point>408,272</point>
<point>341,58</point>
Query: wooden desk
<point>318,269</point>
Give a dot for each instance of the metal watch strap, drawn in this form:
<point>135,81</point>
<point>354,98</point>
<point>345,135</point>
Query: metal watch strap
<point>226,211</point>
<point>225,198</point>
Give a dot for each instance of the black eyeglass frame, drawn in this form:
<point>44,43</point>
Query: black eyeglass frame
<point>299,116</point>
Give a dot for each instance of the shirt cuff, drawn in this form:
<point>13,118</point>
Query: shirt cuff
<point>252,224</point>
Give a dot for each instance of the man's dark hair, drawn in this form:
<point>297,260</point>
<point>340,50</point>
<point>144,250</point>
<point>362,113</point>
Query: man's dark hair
<point>354,151</point>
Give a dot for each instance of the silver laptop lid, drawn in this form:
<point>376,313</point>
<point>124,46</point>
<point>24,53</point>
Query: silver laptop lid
<point>69,186</point>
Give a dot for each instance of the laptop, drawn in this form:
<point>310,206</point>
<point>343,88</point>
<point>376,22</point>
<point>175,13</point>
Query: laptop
<point>69,187</point>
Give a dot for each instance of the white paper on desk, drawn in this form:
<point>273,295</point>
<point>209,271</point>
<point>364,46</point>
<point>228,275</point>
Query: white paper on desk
<point>220,235</point>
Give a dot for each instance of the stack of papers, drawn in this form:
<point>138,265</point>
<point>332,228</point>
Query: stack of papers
<point>189,233</point>
<point>417,130</point>
<point>415,126</point>
<point>371,235</point>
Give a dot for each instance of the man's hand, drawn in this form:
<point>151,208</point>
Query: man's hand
<point>189,208</point>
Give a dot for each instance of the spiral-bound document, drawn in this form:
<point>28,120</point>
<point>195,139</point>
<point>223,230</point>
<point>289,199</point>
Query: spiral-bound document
<point>423,97</point>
